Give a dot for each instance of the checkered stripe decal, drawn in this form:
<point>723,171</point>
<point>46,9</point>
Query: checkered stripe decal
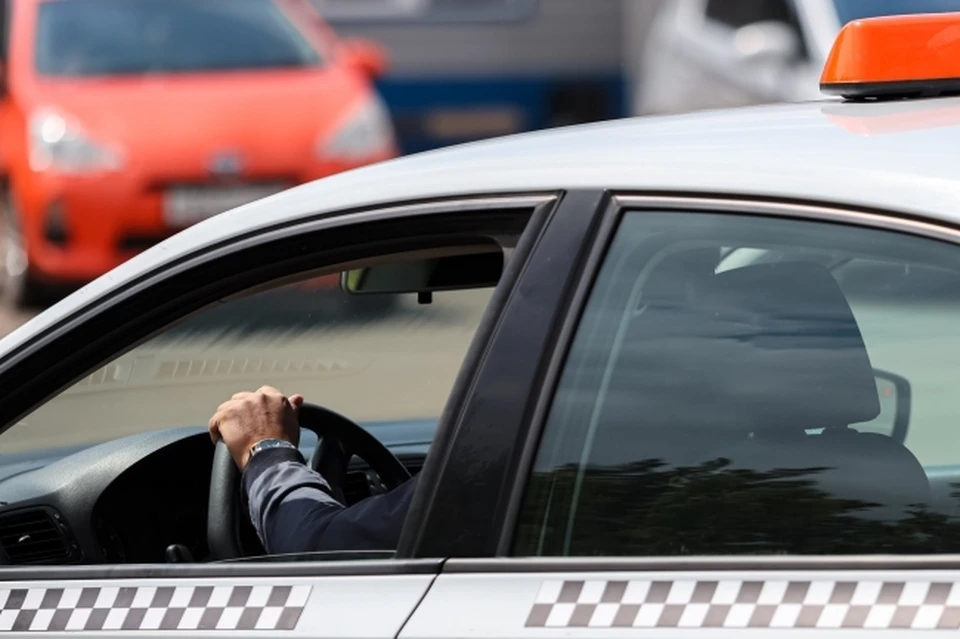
<point>152,608</point>
<point>747,604</point>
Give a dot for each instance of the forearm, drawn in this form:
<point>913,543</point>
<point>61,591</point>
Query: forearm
<point>293,511</point>
<point>290,504</point>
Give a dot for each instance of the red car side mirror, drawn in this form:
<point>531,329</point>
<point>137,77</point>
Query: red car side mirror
<point>366,56</point>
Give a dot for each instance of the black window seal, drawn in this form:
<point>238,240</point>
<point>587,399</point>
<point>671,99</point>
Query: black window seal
<point>623,202</point>
<point>248,239</point>
<point>433,469</point>
<point>566,565</point>
<point>267,569</point>
<point>234,243</point>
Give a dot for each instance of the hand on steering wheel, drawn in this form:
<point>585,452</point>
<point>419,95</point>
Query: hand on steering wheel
<point>339,439</point>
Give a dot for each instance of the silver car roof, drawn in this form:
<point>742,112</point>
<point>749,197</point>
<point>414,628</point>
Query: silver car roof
<point>899,156</point>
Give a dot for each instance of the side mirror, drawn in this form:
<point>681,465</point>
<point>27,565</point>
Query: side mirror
<point>770,41</point>
<point>894,418</point>
<point>366,56</point>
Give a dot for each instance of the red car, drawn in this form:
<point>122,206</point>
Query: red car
<point>123,122</point>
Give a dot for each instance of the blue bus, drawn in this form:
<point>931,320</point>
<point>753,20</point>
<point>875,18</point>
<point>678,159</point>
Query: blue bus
<point>464,70</point>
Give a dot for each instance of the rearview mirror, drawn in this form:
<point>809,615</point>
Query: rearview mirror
<point>447,273</point>
<point>894,418</point>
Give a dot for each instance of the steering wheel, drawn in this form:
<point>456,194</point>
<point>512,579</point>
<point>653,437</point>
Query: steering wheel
<point>338,440</point>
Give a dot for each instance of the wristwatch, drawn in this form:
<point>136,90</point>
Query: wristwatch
<point>267,444</point>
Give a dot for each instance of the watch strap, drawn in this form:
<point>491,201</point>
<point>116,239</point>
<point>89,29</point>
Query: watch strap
<point>267,444</point>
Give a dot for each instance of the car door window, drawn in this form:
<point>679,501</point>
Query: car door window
<point>386,361</point>
<point>748,385</point>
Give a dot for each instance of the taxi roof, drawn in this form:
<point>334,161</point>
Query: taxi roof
<point>899,156</point>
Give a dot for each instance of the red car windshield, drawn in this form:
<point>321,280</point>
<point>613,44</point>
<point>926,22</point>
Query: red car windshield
<point>115,37</point>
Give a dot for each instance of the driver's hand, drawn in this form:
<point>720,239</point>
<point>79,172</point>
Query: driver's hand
<point>248,418</point>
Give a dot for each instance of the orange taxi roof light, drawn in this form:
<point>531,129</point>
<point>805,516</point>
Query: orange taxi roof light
<point>895,56</point>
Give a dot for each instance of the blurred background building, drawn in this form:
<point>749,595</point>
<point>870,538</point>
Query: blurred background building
<point>467,69</point>
<point>123,122</point>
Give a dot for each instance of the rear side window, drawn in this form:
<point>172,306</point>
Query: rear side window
<point>740,13</point>
<point>735,14</point>
<point>748,385</point>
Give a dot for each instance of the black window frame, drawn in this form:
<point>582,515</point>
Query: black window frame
<point>170,292</point>
<point>462,504</point>
<point>541,399</point>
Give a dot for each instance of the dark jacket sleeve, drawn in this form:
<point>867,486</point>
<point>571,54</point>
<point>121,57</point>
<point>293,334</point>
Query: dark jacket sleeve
<point>293,512</point>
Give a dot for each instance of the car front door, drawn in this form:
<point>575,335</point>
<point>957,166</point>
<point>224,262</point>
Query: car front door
<point>712,444</point>
<point>167,350</point>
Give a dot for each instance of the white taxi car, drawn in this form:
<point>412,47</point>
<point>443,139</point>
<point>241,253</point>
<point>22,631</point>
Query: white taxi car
<point>709,385</point>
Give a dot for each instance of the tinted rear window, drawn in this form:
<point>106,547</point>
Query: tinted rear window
<point>116,37</point>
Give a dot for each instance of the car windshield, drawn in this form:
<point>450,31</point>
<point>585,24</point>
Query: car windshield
<point>112,37</point>
<point>848,10</point>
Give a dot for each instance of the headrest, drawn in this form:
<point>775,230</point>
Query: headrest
<point>786,348</point>
<point>680,276</point>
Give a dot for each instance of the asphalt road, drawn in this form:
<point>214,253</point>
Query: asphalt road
<point>10,320</point>
<point>401,365</point>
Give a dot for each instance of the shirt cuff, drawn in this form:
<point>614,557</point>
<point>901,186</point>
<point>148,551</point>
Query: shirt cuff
<point>266,459</point>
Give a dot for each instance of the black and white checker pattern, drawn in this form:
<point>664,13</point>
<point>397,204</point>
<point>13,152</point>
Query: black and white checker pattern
<point>916,605</point>
<point>261,607</point>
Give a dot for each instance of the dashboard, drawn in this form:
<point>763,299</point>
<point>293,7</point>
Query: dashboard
<point>130,500</point>
<point>159,501</point>
<point>123,501</point>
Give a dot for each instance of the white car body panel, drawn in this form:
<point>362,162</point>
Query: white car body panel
<point>800,152</point>
<point>315,607</point>
<point>586,602</point>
